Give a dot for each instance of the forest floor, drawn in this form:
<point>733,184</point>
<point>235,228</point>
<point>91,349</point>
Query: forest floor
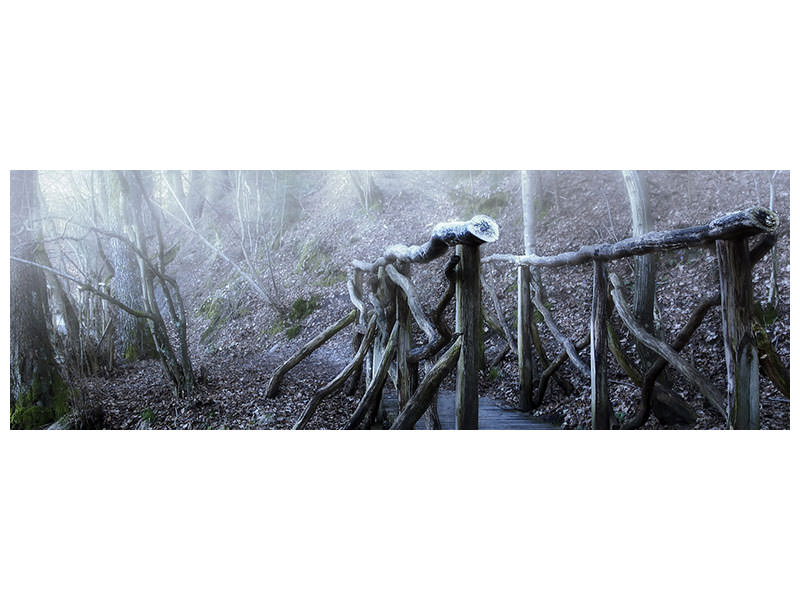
<point>238,339</point>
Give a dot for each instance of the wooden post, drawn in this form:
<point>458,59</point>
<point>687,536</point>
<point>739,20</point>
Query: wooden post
<point>601,407</point>
<point>741,355</point>
<point>358,329</point>
<point>384,296</point>
<point>405,383</point>
<point>468,323</point>
<point>524,355</point>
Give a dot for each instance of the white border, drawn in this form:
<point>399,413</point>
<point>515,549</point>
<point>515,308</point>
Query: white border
<point>403,85</point>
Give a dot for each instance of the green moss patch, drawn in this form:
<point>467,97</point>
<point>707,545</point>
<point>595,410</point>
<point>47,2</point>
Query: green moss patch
<point>292,322</point>
<point>41,405</point>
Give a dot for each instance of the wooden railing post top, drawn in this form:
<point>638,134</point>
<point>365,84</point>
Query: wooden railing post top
<point>480,229</point>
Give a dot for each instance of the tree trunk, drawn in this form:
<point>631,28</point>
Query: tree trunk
<point>38,392</point>
<point>196,199</point>
<point>527,365</point>
<point>645,284</point>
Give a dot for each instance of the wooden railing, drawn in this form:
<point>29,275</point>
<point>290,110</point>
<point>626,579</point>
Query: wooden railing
<point>729,234</point>
<point>383,318</point>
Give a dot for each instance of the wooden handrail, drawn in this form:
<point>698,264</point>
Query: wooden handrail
<point>743,223</point>
<point>478,230</point>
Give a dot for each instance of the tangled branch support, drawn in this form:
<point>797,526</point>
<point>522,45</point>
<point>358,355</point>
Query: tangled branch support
<point>383,318</point>
<point>383,326</point>
<point>729,235</point>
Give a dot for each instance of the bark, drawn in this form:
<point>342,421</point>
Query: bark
<point>601,406</point>
<point>426,391</point>
<point>65,306</point>
<point>305,352</point>
<point>468,323</point>
<point>740,224</point>
<point>137,189</point>
<point>741,356</point>
<point>35,376</point>
<point>525,362</point>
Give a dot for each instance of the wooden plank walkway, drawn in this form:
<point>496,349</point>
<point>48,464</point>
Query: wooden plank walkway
<point>490,415</point>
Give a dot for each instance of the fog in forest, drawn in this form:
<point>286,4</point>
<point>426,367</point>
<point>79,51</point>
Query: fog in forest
<point>179,299</point>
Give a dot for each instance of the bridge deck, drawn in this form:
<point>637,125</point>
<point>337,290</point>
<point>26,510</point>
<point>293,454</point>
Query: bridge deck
<point>490,415</point>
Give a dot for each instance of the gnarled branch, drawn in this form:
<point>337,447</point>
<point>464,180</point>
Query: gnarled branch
<point>478,230</point>
<point>305,351</point>
<point>337,381</point>
<point>664,350</point>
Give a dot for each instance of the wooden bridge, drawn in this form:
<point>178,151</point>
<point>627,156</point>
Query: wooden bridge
<point>383,318</point>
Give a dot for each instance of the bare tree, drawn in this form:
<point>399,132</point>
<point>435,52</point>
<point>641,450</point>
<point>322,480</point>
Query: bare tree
<point>38,392</point>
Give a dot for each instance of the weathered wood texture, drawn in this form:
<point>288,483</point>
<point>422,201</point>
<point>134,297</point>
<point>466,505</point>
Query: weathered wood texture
<point>601,406</point>
<point>770,362</point>
<point>412,298</point>
<point>405,382</point>
<point>669,407</point>
<point>431,417</point>
<point>306,350</point>
<point>570,349</point>
<point>741,356</point>
<point>648,380</point>
<point>426,392</point>
<point>468,324</point>
<point>354,288</point>
<point>525,361</point>
<point>445,334</point>
<point>338,381</point>
<point>752,221</point>
<point>649,385</point>
<point>478,230</point>
<point>372,395</point>
<point>663,349</point>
